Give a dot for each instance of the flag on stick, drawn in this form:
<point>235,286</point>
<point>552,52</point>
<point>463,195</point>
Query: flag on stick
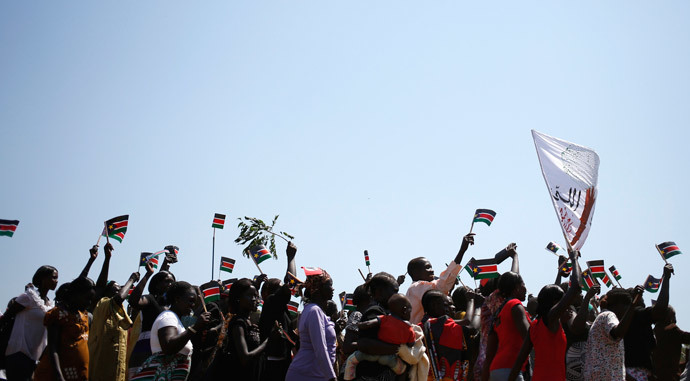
<point>597,269</point>
<point>259,253</point>
<point>668,249</point>
<point>347,302</point>
<point>571,174</point>
<point>607,281</point>
<point>366,258</point>
<point>227,264</point>
<point>469,267</point>
<point>228,283</point>
<point>292,308</point>
<point>566,268</point>
<point>587,280</point>
<point>484,215</point>
<point>553,247</point>
<point>211,291</point>
<point>293,283</point>
<point>8,227</point>
<point>145,258</point>
<point>652,284</point>
<point>218,221</point>
<point>615,273</point>
<point>117,227</point>
<point>483,268</point>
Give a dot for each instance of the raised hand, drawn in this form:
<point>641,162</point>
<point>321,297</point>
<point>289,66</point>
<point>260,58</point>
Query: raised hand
<point>202,321</point>
<point>512,249</point>
<point>467,241</point>
<point>108,249</point>
<point>291,251</point>
<point>401,279</point>
<point>93,252</point>
<point>135,276</point>
<point>149,268</point>
<point>668,270</point>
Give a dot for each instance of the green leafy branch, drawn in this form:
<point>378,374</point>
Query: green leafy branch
<point>256,232</point>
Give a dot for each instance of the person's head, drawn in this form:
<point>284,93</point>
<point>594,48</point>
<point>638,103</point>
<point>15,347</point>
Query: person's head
<point>532,305</point>
<point>111,288</point>
<point>578,297</point>
<point>460,298</point>
<point>381,287</point>
<point>617,301</point>
<point>511,286</point>
<point>436,303</point>
<point>548,297</point>
<point>640,301</point>
<point>420,269</point>
<point>45,278</point>
<point>243,297</point>
<point>400,306</point>
<point>181,297</point>
<point>270,287</point>
<point>331,310</point>
<point>670,317</point>
<point>361,298</point>
<point>80,294</point>
<point>61,292</point>
<point>319,288</point>
<point>486,288</point>
<point>161,282</point>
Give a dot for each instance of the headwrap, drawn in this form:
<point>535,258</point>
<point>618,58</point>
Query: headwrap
<point>316,282</point>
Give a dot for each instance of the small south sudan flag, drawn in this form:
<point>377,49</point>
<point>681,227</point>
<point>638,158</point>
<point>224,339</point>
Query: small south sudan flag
<point>587,281</point>
<point>366,257</point>
<point>293,283</point>
<point>615,273</point>
<point>218,221</point>
<point>485,268</point>
<point>117,227</point>
<point>607,281</point>
<point>567,268</point>
<point>597,269</point>
<point>469,267</point>
<point>228,283</point>
<point>292,308</point>
<point>211,291</point>
<point>553,247</point>
<point>652,284</point>
<point>349,304</point>
<point>668,249</point>
<point>484,215</point>
<point>227,264</point>
<point>259,253</point>
<point>8,227</point>
<point>145,258</point>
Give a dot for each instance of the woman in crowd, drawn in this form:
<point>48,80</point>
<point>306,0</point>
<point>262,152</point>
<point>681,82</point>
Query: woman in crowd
<point>170,341</point>
<point>67,355</point>
<point>29,337</point>
<point>316,356</point>
<point>151,306</point>
<point>508,331</point>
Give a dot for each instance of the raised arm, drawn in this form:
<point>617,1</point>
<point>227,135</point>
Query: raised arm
<point>580,322</point>
<point>619,331</point>
<point>562,261</point>
<point>509,251</point>
<point>467,241</point>
<point>557,311</point>
<point>102,280</point>
<point>291,252</point>
<point>135,298</point>
<point>661,306</point>
<point>124,290</point>
<point>93,253</point>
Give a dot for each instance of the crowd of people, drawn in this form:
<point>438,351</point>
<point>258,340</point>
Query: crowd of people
<point>438,330</point>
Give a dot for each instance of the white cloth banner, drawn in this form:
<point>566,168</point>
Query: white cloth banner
<point>571,172</point>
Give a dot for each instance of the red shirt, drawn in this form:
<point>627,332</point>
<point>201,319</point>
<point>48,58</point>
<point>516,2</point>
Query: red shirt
<point>549,352</point>
<point>509,339</point>
<point>395,331</point>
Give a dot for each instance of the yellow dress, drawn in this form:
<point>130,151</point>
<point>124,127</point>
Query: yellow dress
<point>108,342</point>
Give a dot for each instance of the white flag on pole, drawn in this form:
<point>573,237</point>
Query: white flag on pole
<point>571,172</point>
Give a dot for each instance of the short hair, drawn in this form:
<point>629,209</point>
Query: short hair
<point>177,290</point>
<point>271,286</point>
<point>430,297</point>
<point>548,297</point>
<point>460,298</point>
<point>618,296</point>
<point>380,280</point>
<point>414,264</point>
<point>79,285</point>
<point>508,282</point>
<point>360,297</point>
<point>489,287</point>
<point>62,292</point>
<point>42,272</point>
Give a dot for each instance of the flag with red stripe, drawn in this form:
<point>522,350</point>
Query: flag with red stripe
<point>615,272</point>
<point>218,221</point>
<point>292,308</point>
<point>597,269</point>
<point>668,249</point>
<point>485,268</point>
<point>117,227</point>
<point>8,227</point>
<point>211,291</point>
<point>227,264</point>
<point>652,284</point>
<point>484,215</point>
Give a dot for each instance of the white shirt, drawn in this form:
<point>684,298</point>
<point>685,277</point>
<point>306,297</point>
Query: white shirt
<point>29,335</point>
<point>168,319</point>
<point>444,283</point>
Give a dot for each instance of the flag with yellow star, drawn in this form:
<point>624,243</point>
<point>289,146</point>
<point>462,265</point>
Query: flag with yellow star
<point>259,253</point>
<point>652,284</point>
<point>116,227</point>
<point>293,282</point>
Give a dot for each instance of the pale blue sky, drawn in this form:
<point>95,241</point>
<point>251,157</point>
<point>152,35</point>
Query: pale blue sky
<point>378,126</point>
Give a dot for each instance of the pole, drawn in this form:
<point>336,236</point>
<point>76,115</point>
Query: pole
<point>257,265</point>
<point>213,254</point>
<point>662,257</point>
<point>101,235</point>
<point>201,296</point>
<point>472,226</point>
<point>105,224</point>
<point>360,273</point>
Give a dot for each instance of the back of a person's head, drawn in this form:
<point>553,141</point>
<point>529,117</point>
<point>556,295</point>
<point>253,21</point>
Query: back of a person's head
<point>617,297</point>
<point>62,292</point>
<point>380,280</point>
<point>360,297</point>
<point>548,297</point>
<point>508,282</point>
<point>487,288</point>
<point>331,308</point>
<point>270,287</point>
<point>177,290</point>
<point>460,298</point>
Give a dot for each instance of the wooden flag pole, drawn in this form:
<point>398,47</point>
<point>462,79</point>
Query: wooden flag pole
<point>253,260</point>
<point>101,235</point>
<point>362,274</point>
<point>213,254</point>
<point>201,296</point>
<point>664,258</point>
<point>471,226</point>
<point>107,240</point>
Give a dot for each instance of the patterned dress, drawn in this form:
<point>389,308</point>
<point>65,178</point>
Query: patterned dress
<point>605,357</point>
<point>73,347</point>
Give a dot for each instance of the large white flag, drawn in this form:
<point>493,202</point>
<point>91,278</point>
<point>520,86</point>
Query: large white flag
<point>571,173</point>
